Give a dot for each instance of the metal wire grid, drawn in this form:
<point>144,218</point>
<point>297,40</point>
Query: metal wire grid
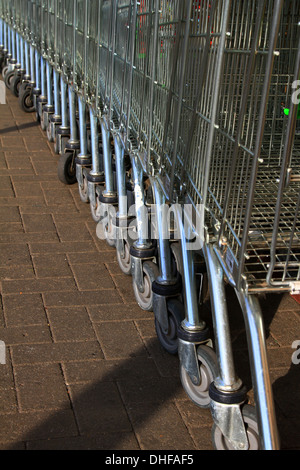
<point>157,26</point>
<point>67,42</point>
<point>191,163</point>
<point>91,50</point>
<point>124,34</point>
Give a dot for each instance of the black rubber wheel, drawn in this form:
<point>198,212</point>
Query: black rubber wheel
<point>169,339</point>
<point>8,79</point>
<point>4,71</point>
<point>26,101</point>
<point>66,169</point>
<point>15,85</point>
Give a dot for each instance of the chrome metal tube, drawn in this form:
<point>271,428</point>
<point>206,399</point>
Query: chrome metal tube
<point>141,211</point>
<point>82,126</point>
<point>163,234</point>
<point>260,371</point>
<point>94,143</point>
<point>121,180</point>
<point>107,160</point>
<point>72,113</point>
<point>227,380</point>
<point>64,105</point>
<point>192,322</point>
<point>57,102</point>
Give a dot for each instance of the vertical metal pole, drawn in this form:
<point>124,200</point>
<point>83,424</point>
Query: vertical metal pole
<point>72,111</point>
<point>140,208</point>
<point>82,127</point>
<point>227,380</point>
<point>57,102</point>
<point>64,105</point>
<point>260,371</point>
<point>162,231</point>
<point>107,159</point>
<point>95,144</point>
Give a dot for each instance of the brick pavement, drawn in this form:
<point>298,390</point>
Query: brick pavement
<point>84,369</point>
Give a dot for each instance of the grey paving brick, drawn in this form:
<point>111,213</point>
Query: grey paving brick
<point>40,387</point>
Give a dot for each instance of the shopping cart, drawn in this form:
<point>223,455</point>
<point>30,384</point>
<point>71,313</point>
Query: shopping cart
<point>232,154</point>
<point>189,109</point>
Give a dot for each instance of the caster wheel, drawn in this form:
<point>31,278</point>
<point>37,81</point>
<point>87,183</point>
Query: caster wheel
<point>83,188</point>
<point>43,122</point>
<point>250,420</point>
<point>145,299</point>
<point>177,258</point>
<point>26,101</point>
<point>169,339</point>
<point>95,208</point>
<point>15,85</point>
<point>66,169</point>
<point>125,259</point>
<point>4,71</point>
<point>109,232</point>
<point>56,146</point>
<point>9,79</point>
<point>49,133</point>
<point>208,366</point>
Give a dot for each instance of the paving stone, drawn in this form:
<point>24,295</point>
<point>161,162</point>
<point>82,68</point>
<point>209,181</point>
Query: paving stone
<point>70,324</point>
<point>110,370</point>
<point>9,214</point>
<point>118,311</point>
<point>31,189</point>
<point>51,265</point>
<point>38,223</point>
<point>56,352</point>
<point>14,254</point>
<point>120,340</point>
<point>24,309</point>
<point>16,335</point>
<point>99,408</point>
<point>38,285</point>
<point>34,425</point>
<point>59,197</point>
<point>41,386</point>
<point>109,441</point>
<point>68,299</point>
<point>62,247</point>
<point>160,428</point>
<point>92,277</point>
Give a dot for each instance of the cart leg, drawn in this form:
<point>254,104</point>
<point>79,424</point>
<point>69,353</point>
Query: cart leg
<point>260,371</point>
<point>63,132</point>
<point>83,159</point>
<point>42,100</point>
<point>95,177</point>
<point>144,269</point>
<point>167,287</point>
<point>55,119</point>
<point>48,109</point>
<point>122,220</point>
<point>108,198</point>
<point>37,89</point>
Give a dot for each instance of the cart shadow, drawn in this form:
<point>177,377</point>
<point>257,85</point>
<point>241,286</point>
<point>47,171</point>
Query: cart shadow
<point>285,385</point>
<point>27,125</point>
<point>142,395</point>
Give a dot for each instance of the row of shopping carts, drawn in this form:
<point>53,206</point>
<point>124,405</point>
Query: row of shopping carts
<point>179,121</point>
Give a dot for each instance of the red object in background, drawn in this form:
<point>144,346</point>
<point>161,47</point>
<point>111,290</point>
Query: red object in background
<point>297,298</point>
